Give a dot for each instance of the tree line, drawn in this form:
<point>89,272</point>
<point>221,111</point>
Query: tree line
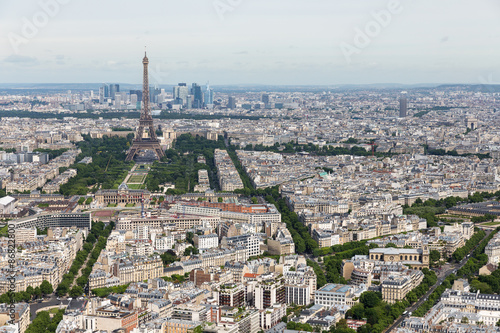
<point>180,167</point>
<point>108,167</point>
<point>29,294</point>
<point>99,234</point>
<point>473,265</point>
<point>429,208</point>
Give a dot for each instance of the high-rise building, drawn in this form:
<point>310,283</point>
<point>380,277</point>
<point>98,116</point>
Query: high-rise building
<point>403,105</point>
<point>181,93</point>
<point>113,89</point>
<point>197,94</point>
<point>231,102</point>
<point>154,92</point>
<point>138,93</point>
<point>105,88</point>
<point>265,99</point>
<point>209,96</point>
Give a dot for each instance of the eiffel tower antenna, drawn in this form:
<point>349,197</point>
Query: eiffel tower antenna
<point>150,142</point>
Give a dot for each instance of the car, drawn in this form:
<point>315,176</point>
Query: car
<point>58,299</point>
<point>69,298</point>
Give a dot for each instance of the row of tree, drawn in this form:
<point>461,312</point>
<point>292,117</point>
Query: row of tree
<point>470,268</point>
<point>431,207</point>
<point>29,294</point>
<point>108,167</point>
<point>461,252</point>
<point>105,292</point>
<point>99,234</point>
<point>179,165</point>
<point>379,314</point>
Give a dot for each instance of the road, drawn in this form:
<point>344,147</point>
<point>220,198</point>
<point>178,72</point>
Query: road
<point>441,277</point>
<point>35,306</point>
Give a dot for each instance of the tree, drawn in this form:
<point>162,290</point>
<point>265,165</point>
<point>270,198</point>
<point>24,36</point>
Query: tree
<point>370,299</point>
<point>91,238</point>
<point>220,199</point>
<point>46,287</point>
<point>411,297</point>
<point>168,257</point>
<point>189,238</point>
<point>30,290</point>
<point>391,245</point>
<point>254,200</point>
<point>76,291</point>
<point>435,255</point>
<point>37,292</point>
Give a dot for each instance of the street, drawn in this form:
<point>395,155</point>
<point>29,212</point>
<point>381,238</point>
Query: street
<point>441,277</point>
<point>35,306</point>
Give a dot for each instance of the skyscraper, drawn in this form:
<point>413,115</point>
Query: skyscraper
<point>231,102</point>
<point>181,93</point>
<point>105,90</point>
<point>403,105</point>
<point>153,94</point>
<point>197,94</point>
<point>209,96</point>
<point>138,93</point>
<point>113,89</point>
<point>265,99</point>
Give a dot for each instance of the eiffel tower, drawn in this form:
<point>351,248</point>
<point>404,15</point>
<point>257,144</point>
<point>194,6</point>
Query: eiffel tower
<point>145,139</point>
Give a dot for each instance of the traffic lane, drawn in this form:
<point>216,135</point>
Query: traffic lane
<point>53,301</point>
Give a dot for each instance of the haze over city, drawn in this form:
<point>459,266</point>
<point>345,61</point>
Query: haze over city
<point>251,42</point>
<point>249,166</point>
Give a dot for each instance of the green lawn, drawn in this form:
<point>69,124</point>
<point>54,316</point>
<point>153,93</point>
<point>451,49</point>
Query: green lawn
<point>4,231</point>
<point>130,205</point>
<point>136,186</point>
<point>112,205</point>
<point>54,310</point>
<point>491,223</point>
<point>137,179</point>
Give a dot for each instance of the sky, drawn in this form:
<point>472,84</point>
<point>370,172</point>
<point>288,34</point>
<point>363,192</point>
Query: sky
<point>276,42</point>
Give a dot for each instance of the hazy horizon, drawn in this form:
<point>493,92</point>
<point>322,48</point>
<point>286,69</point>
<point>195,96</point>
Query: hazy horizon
<point>242,42</point>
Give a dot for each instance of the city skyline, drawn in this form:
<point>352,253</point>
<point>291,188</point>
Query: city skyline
<point>256,42</point>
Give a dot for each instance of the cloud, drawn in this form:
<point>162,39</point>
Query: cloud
<point>19,59</point>
<point>60,60</point>
<point>241,52</point>
<point>445,39</point>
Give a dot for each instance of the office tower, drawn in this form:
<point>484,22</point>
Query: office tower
<point>181,93</point>
<point>231,102</point>
<point>133,99</point>
<point>209,96</point>
<point>403,105</point>
<point>197,95</point>
<point>101,95</point>
<point>145,138</point>
<point>113,89</point>
<point>138,93</point>
<point>265,99</point>
<point>154,92</point>
<point>105,90</point>
<point>118,101</point>
<point>189,104</point>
